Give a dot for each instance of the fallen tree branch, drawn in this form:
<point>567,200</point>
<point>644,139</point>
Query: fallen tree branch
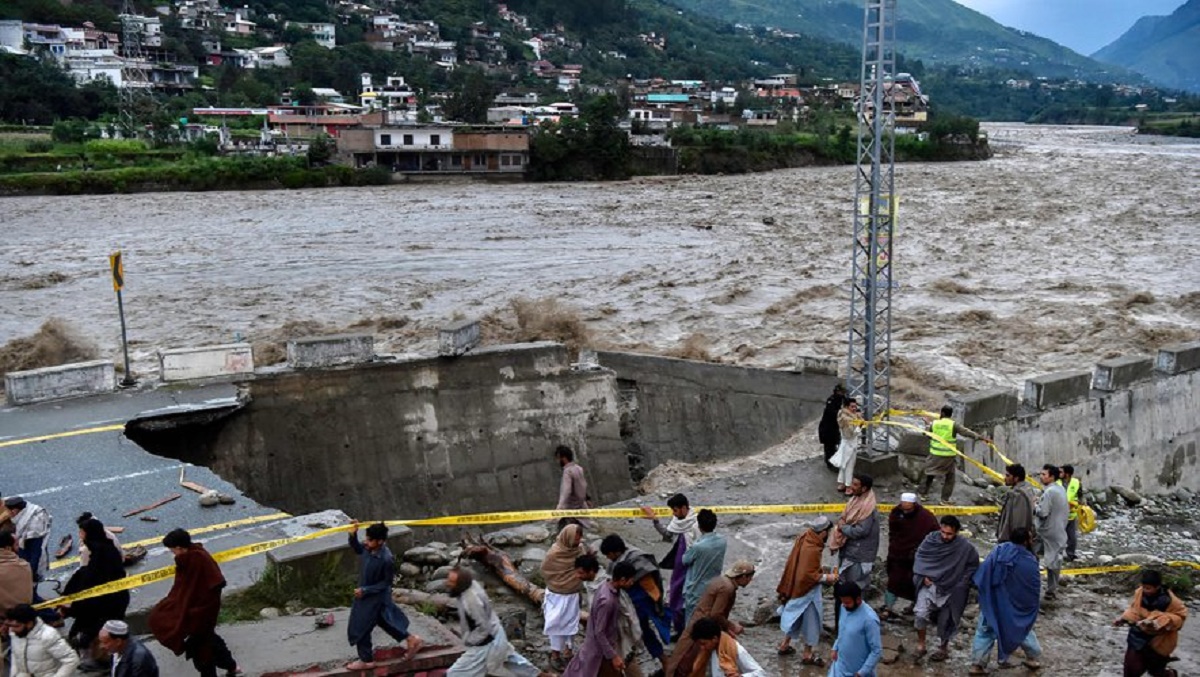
<point>499,561</point>
<point>443,604</point>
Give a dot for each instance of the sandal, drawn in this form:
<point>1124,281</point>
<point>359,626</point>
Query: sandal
<point>786,651</point>
<point>939,656</point>
<point>813,660</point>
<point>64,546</point>
<point>920,653</point>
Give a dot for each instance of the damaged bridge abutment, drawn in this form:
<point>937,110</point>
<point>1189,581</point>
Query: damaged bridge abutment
<point>476,433</point>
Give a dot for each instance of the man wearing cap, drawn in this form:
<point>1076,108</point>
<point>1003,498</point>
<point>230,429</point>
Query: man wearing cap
<point>908,524</point>
<point>130,658</point>
<point>716,603</point>
<point>32,524</point>
<point>800,592</point>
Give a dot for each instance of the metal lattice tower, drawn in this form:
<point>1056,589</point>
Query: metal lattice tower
<point>869,356</point>
<point>135,87</point>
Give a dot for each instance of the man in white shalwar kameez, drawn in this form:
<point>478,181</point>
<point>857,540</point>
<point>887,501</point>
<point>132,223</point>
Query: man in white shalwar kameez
<point>488,653</point>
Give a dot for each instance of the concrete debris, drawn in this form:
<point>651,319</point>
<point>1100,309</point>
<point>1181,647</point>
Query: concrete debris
<point>1132,498</point>
<point>426,556</point>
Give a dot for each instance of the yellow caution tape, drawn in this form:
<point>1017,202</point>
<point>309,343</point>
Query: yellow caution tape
<point>1087,516</point>
<point>1095,571</point>
<point>156,575</point>
<point>198,530</point>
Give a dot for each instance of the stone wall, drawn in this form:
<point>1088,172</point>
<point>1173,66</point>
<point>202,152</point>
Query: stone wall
<point>1128,425</point>
<point>476,433</point>
<point>698,411</point>
<point>419,438</point>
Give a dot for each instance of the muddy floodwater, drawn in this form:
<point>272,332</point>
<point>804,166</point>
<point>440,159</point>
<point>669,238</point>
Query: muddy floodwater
<point>1071,245</point>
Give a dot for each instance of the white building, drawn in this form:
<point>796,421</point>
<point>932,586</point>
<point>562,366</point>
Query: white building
<point>270,57</point>
<point>324,33</point>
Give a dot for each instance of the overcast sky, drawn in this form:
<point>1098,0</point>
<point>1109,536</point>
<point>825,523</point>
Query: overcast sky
<point>1083,25</point>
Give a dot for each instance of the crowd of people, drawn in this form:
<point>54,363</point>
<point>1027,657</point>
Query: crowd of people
<point>98,638</point>
<point>684,621</point>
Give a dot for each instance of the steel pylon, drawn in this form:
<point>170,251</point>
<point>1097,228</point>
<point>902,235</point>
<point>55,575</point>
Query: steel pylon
<point>868,374</point>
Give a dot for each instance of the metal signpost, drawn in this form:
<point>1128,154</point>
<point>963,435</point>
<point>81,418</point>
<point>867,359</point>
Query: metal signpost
<point>117,265</point>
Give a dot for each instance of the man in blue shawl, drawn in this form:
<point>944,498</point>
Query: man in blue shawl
<point>1009,585</point>
<point>373,605</point>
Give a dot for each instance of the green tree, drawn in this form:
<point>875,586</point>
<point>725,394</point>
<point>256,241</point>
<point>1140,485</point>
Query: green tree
<point>321,150</point>
<point>472,95</point>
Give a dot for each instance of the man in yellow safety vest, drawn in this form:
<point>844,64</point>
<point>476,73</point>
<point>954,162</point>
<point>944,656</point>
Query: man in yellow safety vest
<point>1074,487</point>
<point>943,448</point>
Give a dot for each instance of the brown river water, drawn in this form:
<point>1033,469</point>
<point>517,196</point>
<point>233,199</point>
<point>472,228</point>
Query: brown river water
<point>1073,244</point>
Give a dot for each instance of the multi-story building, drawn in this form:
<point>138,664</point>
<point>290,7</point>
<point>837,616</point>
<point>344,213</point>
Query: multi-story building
<point>324,33</point>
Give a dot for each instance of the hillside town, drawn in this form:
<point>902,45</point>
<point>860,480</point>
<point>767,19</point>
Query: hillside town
<point>399,113</point>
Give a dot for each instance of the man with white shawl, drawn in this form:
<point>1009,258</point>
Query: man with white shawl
<point>684,531</point>
<point>1052,513</point>
<point>943,572</point>
<point>800,592</point>
<point>32,531</point>
<point>560,607</point>
<point>488,653</point>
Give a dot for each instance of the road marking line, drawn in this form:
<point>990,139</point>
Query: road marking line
<point>102,480</point>
<point>69,433</point>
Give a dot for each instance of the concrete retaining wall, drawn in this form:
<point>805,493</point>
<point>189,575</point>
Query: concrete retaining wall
<point>54,383</point>
<point>330,351</point>
<point>420,438</point>
<point>182,364</point>
<point>476,433</point>
<point>1137,429</point>
<point>697,411</point>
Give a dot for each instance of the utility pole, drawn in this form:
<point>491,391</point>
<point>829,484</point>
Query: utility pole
<point>868,374</point>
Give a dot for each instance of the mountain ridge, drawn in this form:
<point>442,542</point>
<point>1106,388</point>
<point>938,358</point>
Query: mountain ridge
<point>1162,48</point>
<point>935,31</point>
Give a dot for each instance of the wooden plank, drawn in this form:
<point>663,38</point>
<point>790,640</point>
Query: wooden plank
<point>154,505</point>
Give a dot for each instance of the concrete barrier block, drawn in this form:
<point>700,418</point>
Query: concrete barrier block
<point>313,557</point>
<point>809,364</point>
<point>54,383</point>
<point>1052,390</point>
<point>988,406</point>
<point>1122,372</point>
<point>183,364</point>
<point>458,338</point>
<point>330,351</point>
<point>1178,358</point>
